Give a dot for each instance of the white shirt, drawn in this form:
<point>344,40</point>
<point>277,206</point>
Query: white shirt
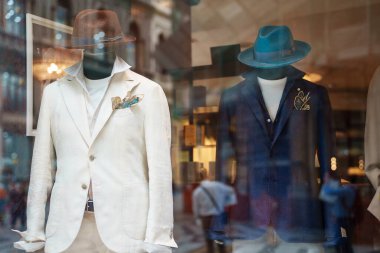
<point>223,195</point>
<point>272,92</point>
<point>95,90</point>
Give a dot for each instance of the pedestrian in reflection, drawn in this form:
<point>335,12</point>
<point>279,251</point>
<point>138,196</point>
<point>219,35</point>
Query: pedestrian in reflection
<point>3,197</point>
<point>339,200</point>
<point>17,199</point>
<point>209,201</point>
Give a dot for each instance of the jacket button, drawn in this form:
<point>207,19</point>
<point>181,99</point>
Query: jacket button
<point>84,186</point>
<point>92,158</point>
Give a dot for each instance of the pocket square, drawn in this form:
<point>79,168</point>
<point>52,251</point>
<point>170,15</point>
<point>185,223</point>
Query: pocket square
<point>128,101</point>
<point>301,101</point>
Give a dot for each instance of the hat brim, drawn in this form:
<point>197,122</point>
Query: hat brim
<point>300,52</point>
<point>125,39</point>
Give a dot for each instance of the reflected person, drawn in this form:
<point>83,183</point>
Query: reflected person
<point>209,201</point>
<point>340,200</point>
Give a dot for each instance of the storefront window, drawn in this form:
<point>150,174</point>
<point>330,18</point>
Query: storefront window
<point>189,126</point>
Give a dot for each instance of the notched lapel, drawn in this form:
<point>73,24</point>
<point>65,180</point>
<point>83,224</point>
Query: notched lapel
<point>251,96</point>
<point>73,97</point>
<point>117,88</point>
<point>286,108</point>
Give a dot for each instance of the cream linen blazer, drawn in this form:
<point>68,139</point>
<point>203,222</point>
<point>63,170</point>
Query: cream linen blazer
<point>372,141</point>
<point>127,159</point>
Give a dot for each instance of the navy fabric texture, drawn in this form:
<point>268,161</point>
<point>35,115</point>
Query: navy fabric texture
<point>276,168</point>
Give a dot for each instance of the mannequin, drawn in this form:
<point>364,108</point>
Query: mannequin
<point>106,56</point>
<point>272,124</point>
<point>272,73</point>
<point>272,83</point>
<point>107,141</point>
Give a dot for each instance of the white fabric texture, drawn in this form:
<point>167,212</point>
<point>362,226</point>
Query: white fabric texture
<point>94,93</point>
<point>223,195</point>
<point>372,141</point>
<point>127,158</point>
<point>95,90</point>
<point>374,206</point>
<point>272,92</point>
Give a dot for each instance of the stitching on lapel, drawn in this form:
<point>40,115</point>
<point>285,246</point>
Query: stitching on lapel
<point>64,91</point>
<point>253,103</point>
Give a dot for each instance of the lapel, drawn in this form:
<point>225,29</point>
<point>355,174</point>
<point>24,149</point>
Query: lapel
<point>285,109</point>
<point>73,96</point>
<point>119,86</point>
<point>73,92</point>
<point>253,97</point>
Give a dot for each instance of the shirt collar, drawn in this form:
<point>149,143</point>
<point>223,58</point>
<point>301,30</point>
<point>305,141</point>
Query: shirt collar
<point>76,70</point>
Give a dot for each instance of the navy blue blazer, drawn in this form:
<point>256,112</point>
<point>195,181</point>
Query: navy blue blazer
<point>275,161</point>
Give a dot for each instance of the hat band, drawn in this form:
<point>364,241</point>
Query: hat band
<point>92,41</point>
<point>268,56</point>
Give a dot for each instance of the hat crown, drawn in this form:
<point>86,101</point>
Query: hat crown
<point>274,47</point>
<point>97,28</point>
<point>274,39</point>
<point>98,23</point>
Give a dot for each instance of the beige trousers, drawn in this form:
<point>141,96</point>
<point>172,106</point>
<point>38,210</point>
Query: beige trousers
<point>88,239</point>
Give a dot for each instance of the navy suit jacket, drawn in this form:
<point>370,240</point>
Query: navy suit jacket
<point>276,160</point>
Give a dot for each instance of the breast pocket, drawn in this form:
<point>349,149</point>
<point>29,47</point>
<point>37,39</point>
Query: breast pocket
<point>126,121</point>
<point>127,112</point>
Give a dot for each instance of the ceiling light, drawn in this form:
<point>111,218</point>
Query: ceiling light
<point>313,77</point>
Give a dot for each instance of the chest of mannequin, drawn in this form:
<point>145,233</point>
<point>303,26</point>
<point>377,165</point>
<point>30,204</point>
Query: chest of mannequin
<point>272,91</point>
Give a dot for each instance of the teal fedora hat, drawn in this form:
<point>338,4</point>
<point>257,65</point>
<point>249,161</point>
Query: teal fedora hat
<point>274,47</point>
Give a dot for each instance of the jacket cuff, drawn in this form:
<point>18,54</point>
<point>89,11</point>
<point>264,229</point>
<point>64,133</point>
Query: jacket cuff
<point>155,248</point>
<point>374,206</point>
<point>161,236</point>
<point>29,242</point>
<point>28,246</point>
<point>29,237</point>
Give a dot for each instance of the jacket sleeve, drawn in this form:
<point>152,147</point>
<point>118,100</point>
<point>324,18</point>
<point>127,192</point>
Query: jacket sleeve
<point>372,136</point>
<point>224,145</point>
<point>326,134</point>
<point>372,141</point>
<point>158,142</point>
<point>325,151</point>
<point>230,196</point>
<point>40,180</point>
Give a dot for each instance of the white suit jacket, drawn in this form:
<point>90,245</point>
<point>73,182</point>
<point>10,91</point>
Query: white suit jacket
<point>372,141</point>
<point>127,159</point>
